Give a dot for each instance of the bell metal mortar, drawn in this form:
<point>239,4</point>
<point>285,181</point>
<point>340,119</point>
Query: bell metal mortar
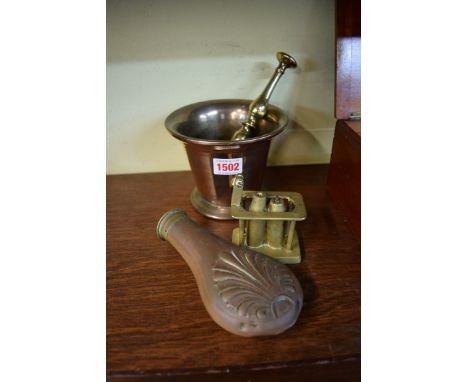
<point>206,129</point>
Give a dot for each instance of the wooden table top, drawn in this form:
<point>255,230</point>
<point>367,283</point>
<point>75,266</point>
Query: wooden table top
<point>157,325</point>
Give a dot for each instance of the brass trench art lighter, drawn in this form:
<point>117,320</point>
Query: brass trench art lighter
<point>267,221</point>
<point>244,285</point>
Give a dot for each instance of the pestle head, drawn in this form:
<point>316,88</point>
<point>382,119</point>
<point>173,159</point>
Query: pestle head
<point>287,60</point>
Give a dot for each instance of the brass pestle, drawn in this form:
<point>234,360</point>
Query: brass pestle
<point>245,292</point>
<point>258,108</point>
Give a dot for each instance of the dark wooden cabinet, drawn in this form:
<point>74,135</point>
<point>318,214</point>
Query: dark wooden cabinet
<point>348,58</point>
<point>344,180</point>
<point>344,177</point>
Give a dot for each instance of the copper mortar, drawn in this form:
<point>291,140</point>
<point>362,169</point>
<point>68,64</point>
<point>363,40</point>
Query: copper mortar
<point>206,129</point>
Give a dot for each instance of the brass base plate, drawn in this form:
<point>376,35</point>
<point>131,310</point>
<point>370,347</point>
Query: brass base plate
<point>208,209</point>
<point>284,256</point>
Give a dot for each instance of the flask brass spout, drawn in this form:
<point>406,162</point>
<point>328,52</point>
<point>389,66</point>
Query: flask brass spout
<point>259,106</point>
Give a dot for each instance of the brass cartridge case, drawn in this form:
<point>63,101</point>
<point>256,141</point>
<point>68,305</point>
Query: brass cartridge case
<point>275,228</point>
<point>257,227</point>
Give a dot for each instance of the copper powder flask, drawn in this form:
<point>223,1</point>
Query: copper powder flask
<point>245,292</point>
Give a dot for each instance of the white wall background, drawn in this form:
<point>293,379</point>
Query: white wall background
<point>164,54</point>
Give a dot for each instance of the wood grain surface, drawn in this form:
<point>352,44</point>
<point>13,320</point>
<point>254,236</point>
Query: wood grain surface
<point>348,58</point>
<point>157,326</point>
<point>348,18</point>
<point>344,175</point>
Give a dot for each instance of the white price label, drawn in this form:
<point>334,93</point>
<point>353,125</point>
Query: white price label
<point>222,166</point>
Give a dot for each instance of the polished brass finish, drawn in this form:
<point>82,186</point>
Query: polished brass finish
<point>206,129</point>
<point>275,228</point>
<point>279,240</point>
<point>245,292</point>
<point>259,107</point>
<point>257,227</point>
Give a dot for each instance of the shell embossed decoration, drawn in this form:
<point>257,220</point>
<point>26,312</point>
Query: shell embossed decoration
<point>245,292</point>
